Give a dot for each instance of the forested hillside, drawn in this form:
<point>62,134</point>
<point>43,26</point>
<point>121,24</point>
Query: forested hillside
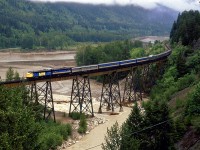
<point>187,28</point>
<point>57,25</point>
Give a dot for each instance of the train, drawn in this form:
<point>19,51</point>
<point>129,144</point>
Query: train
<point>80,69</point>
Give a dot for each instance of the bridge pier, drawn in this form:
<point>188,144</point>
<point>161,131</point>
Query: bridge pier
<point>132,88</point>
<point>42,94</point>
<point>110,95</point>
<point>81,99</point>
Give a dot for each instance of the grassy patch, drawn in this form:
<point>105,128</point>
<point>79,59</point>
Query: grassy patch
<point>180,103</point>
<point>82,124</point>
<point>75,115</point>
<point>53,134</point>
<point>195,121</point>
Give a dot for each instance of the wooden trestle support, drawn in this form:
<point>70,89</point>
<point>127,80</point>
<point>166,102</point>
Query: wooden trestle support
<point>110,95</point>
<point>41,95</point>
<point>81,98</point>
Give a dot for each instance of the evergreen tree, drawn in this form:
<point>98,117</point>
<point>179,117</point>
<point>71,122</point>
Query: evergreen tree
<point>113,138</point>
<point>187,28</point>
<point>159,136</point>
<point>16,75</point>
<point>134,123</point>
<point>148,129</point>
<point>181,65</point>
<point>18,129</point>
<point>193,105</point>
<point>124,138</point>
<point>10,74</point>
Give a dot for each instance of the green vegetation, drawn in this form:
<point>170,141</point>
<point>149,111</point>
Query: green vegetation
<point>21,127</point>
<point>116,51</point>
<point>18,129</point>
<point>176,77</point>
<point>58,25</point>
<point>192,109</point>
<point>139,50</point>
<point>113,51</point>
<point>152,127</point>
<point>193,105</point>
<point>83,121</point>
<point>82,124</point>
<point>75,115</point>
<point>113,138</point>
<point>53,134</point>
<point>12,75</point>
<point>187,28</point>
<point>148,130</point>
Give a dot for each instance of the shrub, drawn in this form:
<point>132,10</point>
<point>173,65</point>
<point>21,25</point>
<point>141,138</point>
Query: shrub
<point>193,105</point>
<point>185,81</point>
<point>81,130</point>
<point>180,103</point>
<point>50,141</point>
<point>53,134</point>
<point>75,115</point>
<point>169,92</point>
<point>196,122</point>
<point>82,124</point>
<point>180,129</point>
<point>187,120</point>
<point>65,130</point>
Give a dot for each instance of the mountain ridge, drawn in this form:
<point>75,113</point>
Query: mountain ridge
<point>82,22</point>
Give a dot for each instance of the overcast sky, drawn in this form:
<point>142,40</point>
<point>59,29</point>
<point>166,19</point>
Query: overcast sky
<point>179,5</point>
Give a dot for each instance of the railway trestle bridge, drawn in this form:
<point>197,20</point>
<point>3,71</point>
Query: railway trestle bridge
<point>140,77</point>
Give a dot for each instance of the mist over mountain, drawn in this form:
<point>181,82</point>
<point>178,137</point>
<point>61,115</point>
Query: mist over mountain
<point>179,5</point>
<point>79,22</point>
